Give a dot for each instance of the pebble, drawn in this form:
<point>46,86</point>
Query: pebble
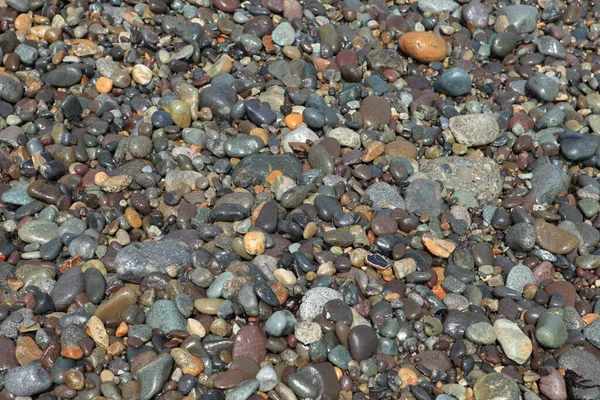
<point>425,47</point>
<point>474,129</point>
<point>137,260</point>
<point>27,380</point>
<point>454,82</point>
<point>515,344</point>
<point>479,176</point>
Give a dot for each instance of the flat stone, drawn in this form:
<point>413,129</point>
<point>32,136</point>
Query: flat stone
<point>384,195</point>
<point>139,259</point>
<point>554,239</point>
<point>518,277</point>
<point>474,129</point>
<point>515,344</point>
<point>496,386</point>
<point>479,176</point>
<point>113,307</point>
<point>38,231</point>
<point>250,342</point>
<point>163,315</point>
<point>27,380</point>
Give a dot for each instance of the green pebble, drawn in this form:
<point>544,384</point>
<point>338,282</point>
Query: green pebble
<point>589,207</point>
<point>433,326</point>
<point>340,356</point>
<point>551,331</point>
<point>387,346</point>
<point>317,352</point>
<point>390,328</point>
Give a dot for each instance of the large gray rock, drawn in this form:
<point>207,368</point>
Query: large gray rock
<point>480,176</point>
<point>139,259</point>
<point>11,88</point>
<point>219,97</point>
<point>474,129</point>
<point>548,180</point>
<point>254,170</point>
<point>27,380</point>
<point>423,195</point>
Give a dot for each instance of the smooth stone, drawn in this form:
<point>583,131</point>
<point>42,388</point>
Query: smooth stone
<point>479,176</point>
<point>281,323</point>
<point>520,237</point>
<point>254,170</point>
<point>112,308</point>
<point>17,195</point>
<point>375,110</point>
<point>242,146</point>
<point>515,344</point>
<point>301,134</point>
<point>548,180</point>
<point>551,331</point>
<point>550,46</point>
<point>496,386</point>
<point>27,380</point>
<point>437,6</point>
<point>519,276</point>
<point>423,196</point>
<point>250,342</point>
<point>362,342</point>
<point>384,195</point>
<point>301,386</point>
<point>67,287</point>
<point>284,34</point>
<point>474,129</point>
<point>163,315</point>
<point>154,375</point>
<point>220,98</point>
<point>425,47</point>
<point>523,17</point>
<point>323,377</point>
<point>139,259</point>
<point>345,136</point>
<point>38,231</point>
<point>66,76</point>
<point>11,88</point>
<point>267,376</point>
<point>244,390</point>
<point>481,333</point>
<point>582,362</point>
<point>320,159</point>
<point>543,87</point>
<point>453,82</point>
<point>554,239</point>
<point>576,147</point>
<point>592,333</point>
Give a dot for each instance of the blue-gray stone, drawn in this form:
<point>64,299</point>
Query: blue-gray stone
<point>17,195</point>
<point>453,82</point>
<point>281,323</point>
<point>163,315</point>
<point>139,259</point>
<point>27,380</point>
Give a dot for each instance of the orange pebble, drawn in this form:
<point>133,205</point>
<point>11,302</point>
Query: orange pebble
<point>293,120</point>
<point>122,330</point>
<point>438,291</point>
<point>273,175</point>
<point>104,85</point>
<point>589,318</point>
<point>261,133</point>
<point>133,218</point>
